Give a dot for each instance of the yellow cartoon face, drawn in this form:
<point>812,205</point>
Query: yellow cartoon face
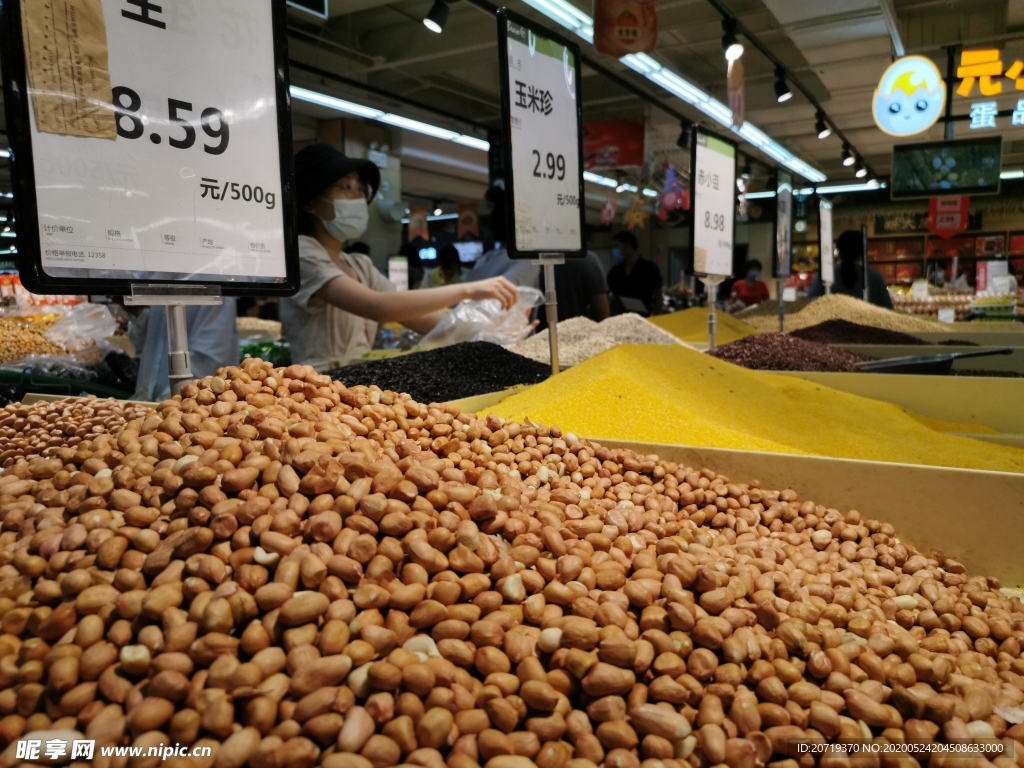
<point>909,98</point>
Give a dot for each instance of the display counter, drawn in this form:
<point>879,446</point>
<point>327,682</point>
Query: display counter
<point>1013,363</point>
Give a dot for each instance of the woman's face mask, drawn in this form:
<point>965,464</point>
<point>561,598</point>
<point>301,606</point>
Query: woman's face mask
<point>351,218</point>
<point>617,255</point>
<point>753,274</point>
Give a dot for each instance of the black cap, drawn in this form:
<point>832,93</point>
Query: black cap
<point>318,167</point>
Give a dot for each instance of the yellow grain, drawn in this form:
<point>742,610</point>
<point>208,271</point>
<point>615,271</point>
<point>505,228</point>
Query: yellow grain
<point>692,325</point>
<point>680,396</point>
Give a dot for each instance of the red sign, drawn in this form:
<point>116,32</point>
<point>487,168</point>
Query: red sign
<point>622,27</point>
<point>418,223</point>
<point>737,92</point>
<point>947,216</point>
<point>610,144</point>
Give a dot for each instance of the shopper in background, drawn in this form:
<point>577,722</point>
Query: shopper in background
<point>633,276</point>
<point>751,290</point>
<point>496,261</point>
<point>411,252</point>
<point>448,270</point>
<point>333,318</point>
<point>849,278</point>
<point>581,289</point>
<point>213,342</point>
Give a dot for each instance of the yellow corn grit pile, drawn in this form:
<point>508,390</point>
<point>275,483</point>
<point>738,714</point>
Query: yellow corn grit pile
<point>692,325</point>
<point>680,396</point>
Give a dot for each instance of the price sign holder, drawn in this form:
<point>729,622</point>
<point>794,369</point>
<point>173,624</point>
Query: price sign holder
<point>783,238</point>
<point>713,223</point>
<point>826,245</point>
<point>542,132</point>
<point>168,189</point>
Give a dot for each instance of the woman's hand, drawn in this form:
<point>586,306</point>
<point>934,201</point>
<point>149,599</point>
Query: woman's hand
<point>494,288</point>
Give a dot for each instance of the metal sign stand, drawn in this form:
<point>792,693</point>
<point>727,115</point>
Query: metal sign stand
<point>174,299</point>
<point>712,281</point>
<point>780,288</point>
<point>828,287</point>
<point>549,261</point>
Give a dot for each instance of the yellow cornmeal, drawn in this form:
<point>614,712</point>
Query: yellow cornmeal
<point>941,425</point>
<point>692,325</point>
<point>675,395</point>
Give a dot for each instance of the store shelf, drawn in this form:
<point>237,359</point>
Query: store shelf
<point>952,510</point>
<point>991,402</point>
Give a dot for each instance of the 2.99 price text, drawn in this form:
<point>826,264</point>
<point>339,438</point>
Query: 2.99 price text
<point>554,166</point>
<point>130,125</point>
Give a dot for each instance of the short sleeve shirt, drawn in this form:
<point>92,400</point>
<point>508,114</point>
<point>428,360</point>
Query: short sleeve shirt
<point>320,334</point>
<point>640,283</point>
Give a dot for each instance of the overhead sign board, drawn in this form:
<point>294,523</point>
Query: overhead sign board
<point>713,191</point>
<point>910,97</point>
<point>150,143</point>
<point>542,122</point>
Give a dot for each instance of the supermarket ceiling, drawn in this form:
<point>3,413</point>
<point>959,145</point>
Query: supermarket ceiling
<point>836,49</point>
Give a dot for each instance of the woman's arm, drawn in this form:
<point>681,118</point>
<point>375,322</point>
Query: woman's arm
<point>400,306</point>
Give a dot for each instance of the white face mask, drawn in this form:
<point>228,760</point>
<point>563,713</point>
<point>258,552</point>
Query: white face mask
<point>351,218</point>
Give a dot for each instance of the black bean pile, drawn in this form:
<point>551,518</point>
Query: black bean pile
<point>845,332</point>
<point>779,352</point>
<point>448,373</point>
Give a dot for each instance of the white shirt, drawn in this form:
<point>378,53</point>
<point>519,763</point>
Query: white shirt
<point>320,334</point>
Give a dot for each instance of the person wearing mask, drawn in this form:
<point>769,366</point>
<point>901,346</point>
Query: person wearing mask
<point>411,252</point>
<point>633,276</point>
<point>849,278</point>
<point>333,317</point>
<point>448,270</point>
<point>751,290</point>
<point>581,289</point>
<point>213,342</point>
<point>497,261</point>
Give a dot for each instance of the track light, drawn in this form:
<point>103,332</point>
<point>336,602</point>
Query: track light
<point>782,92</point>
<point>821,127</point>
<point>437,17</point>
<point>746,172</point>
<point>861,170</point>
<point>731,45</point>
<point>848,158</point>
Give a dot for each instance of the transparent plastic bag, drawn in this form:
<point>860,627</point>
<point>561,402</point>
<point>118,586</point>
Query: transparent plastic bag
<point>58,366</point>
<point>485,321</point>
<point>82,327</point>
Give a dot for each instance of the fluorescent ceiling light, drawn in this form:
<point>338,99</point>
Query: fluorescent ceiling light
<point>604,181</point>
<point>8,234</point>
<point>650,193</point>
<point>1018,174</point>
<point>442,217</point>
<point>331,102</point>
<point>8,253</point>
<point>5,153</point>
<point>867,186</point>
<point>760,195</point>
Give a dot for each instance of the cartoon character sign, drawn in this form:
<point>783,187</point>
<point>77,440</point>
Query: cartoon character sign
<point>910,97</point>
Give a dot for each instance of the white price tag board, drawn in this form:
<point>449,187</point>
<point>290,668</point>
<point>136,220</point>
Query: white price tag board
<point>713,180</point>
<point>919,289</point>
<point>783,224</point>
<point>540,74</point>
<point>947,315</point>
<point>168,157</point>
<point>826,243</point>
<point>789,294</point>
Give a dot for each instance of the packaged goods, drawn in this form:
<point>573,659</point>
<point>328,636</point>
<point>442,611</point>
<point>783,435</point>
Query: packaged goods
<point>580,338</point>
<point>258,327</point>
<point>779,352</point>
<point>838,306</point>
<point>288,572</point>
<point>448,373</point>
<point>692,325</point>
<point>678,396</point>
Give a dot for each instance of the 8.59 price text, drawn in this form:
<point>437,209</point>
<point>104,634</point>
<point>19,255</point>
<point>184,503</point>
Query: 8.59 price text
<point>130,125</point>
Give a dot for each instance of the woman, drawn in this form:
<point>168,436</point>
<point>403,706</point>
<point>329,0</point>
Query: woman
<point>341,299</point>
<point>751,290</point>
<point>448,270</point>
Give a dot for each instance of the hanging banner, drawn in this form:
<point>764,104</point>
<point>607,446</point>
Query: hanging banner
<point>611,205</point>
<point>713,180</point>
<point>622,27</point>
<point>150,144</point>
<point>910,97</point>
<point>611,144</point>
<point>737,92</point>
<point>418,223</point>
<point>469,219</point>
<point>948,216</point>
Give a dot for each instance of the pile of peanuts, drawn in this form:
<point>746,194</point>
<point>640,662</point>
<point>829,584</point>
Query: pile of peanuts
<point>294,573</point>
<point>39,430</point>
<point>18,341</point>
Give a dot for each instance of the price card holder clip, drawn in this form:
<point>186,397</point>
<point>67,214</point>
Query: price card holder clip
<point>174,298</point>
<point>549,261</point>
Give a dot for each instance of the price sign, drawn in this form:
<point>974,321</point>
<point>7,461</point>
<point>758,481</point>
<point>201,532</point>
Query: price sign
<point>826,242</point>
<point>783,224</point>
<point>542,119</point>
<point>150,142</point>
<point>713,191</point>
